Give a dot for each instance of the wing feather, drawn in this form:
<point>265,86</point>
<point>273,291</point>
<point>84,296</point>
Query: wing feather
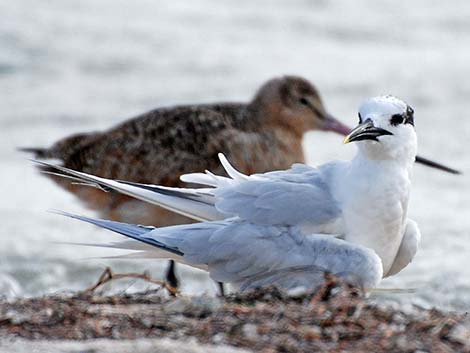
<point>299,196</point>
<point>249,255</point>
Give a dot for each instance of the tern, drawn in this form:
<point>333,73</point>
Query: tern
<point>284,228</point>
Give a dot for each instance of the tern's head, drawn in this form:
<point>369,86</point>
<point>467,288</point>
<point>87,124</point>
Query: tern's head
<point>293,103</point>
<point>386,129</point>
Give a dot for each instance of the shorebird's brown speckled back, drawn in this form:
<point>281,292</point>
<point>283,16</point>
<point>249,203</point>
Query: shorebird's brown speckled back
<point>160,145</point>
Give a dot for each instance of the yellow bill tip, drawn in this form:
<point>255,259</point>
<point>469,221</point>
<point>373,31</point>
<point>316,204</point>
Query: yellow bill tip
<point>346,140</point>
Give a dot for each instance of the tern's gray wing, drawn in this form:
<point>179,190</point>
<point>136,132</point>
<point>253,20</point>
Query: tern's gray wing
<point>408,248</point>
<point>251,255</point>
<point>298,196</point>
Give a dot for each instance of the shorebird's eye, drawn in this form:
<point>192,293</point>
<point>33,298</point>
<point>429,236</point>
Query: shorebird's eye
<point>303,101</point>
<point>397,119</point>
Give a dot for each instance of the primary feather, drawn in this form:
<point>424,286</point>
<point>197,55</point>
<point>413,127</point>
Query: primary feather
<point>159,146</point>
<point>230,251</point>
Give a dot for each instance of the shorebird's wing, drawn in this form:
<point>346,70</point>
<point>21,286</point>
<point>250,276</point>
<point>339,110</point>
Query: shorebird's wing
<point>252,255</point>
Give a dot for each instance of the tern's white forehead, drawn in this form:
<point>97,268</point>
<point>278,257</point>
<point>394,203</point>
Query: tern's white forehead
<point>382,105</point>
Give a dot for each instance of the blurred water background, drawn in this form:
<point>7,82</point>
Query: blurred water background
<point>70,66</point>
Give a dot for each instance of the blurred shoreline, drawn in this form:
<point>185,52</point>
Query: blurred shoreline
<point>68,67</point>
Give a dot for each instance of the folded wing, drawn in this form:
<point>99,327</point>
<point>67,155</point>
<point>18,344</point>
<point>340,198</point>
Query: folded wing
<point>251,255</point>
<point>298,196</point>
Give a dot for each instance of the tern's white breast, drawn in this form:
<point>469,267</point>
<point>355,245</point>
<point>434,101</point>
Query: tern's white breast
<point>374,198</point>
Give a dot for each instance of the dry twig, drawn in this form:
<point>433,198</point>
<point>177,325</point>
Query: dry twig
<point>108,275</point>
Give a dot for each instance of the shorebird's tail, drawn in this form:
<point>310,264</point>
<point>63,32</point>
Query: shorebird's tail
<point>63,149</point>
<point>38,152</point>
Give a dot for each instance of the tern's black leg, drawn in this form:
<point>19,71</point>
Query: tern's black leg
<point>221,289</point>
<point>170,276</point>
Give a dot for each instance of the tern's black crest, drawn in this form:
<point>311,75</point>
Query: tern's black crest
<point>410,116</point>
<point>405,118</point>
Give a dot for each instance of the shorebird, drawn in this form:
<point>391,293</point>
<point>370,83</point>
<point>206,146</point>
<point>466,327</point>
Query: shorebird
<point>160,145</point>
<point>348,218</point>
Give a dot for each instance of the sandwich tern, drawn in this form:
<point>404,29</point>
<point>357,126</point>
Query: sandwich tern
<point>348,218</point>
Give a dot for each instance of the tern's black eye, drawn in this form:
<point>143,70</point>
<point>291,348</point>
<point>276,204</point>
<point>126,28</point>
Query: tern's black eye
<point>397,119</point>
<point>303,101</point>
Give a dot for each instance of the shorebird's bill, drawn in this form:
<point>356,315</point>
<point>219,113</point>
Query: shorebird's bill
<point>334,125</point>
<point>432,164</point>
<point>366,131</point>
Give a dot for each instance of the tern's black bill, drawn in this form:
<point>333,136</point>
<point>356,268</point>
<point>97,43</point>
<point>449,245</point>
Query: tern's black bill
<point>366,131</point>
<point>419,159</point>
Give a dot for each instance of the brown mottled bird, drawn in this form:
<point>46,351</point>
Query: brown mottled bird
<point>160,145</point>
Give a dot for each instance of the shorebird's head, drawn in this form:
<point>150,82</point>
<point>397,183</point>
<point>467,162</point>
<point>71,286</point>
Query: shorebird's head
<point>386,129</point>
<point>294,103</point>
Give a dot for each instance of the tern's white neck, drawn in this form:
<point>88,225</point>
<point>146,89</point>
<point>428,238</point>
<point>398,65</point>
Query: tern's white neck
<point>374,194</point>
<point>402,154</point>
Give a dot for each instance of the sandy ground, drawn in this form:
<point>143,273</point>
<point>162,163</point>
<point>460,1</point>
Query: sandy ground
<point>337,318</point>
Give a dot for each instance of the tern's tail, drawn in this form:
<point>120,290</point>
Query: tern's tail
<point>147,245</point>
<point>172,242</point>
